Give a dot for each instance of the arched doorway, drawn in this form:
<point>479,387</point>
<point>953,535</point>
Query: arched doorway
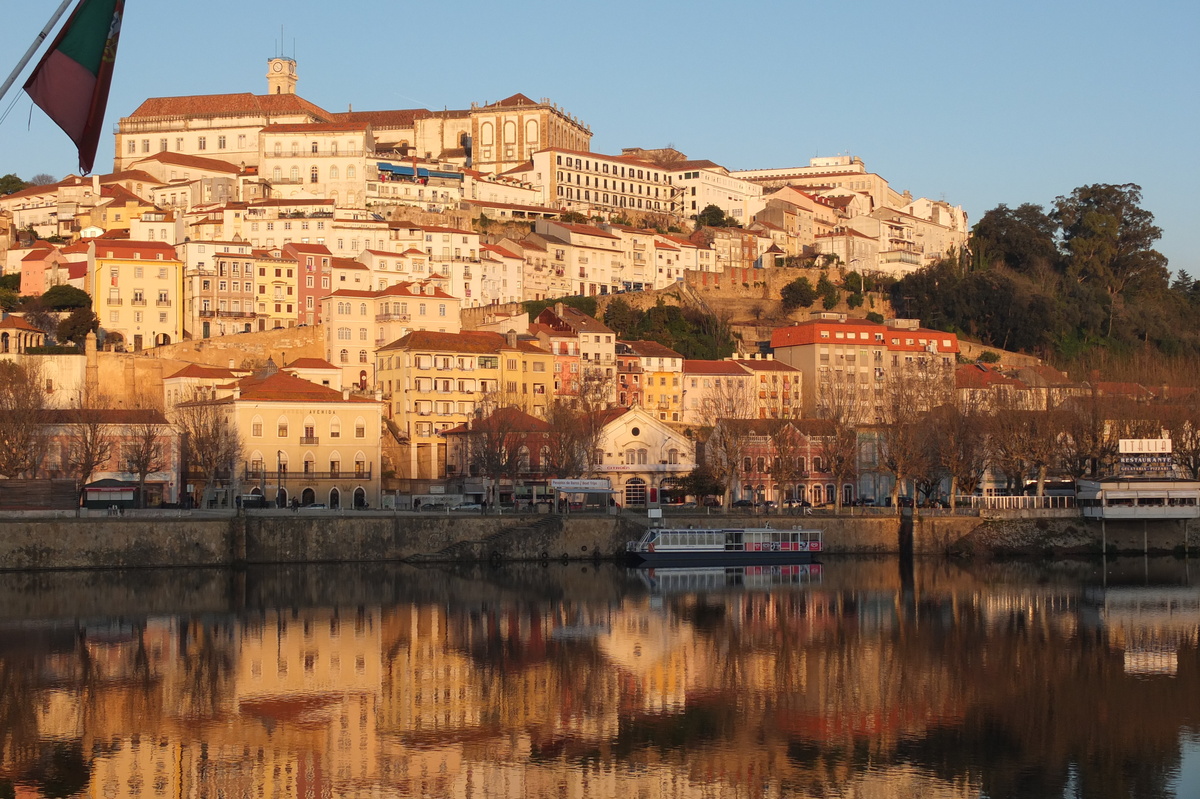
<point>360,497</point>
<point>847,494</point>
<point>281,498</point>
<point>162,339</point>
<point>308,497</point>
<point>635,493</point>
<point>335,498</point>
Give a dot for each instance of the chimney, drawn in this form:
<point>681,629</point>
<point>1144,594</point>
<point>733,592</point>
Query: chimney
<point>95,184</point>
<point>511,338</point>
<point>558,309</point>
<point>345,393</point>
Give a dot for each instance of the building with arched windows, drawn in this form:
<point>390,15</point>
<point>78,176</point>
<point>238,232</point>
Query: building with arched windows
<point>304,442</point>
<point>644,457</point>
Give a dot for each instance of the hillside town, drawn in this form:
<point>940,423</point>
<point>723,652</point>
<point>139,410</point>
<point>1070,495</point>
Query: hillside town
<point>409,308</point>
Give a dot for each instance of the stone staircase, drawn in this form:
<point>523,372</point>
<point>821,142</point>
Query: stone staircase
<point>521,541</point>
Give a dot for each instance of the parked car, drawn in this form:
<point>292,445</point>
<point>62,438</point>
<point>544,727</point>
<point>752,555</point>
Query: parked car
<point>742,503</point>
<point>314,506</point>
<point>768,504</point>
<point>467,506</point>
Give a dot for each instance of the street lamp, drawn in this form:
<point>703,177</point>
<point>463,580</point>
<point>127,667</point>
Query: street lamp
<point>280,490</point>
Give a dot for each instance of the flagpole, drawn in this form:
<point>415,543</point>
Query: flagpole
<point>41,37</point>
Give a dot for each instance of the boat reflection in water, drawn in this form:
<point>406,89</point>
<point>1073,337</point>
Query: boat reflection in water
<point>714,579</point>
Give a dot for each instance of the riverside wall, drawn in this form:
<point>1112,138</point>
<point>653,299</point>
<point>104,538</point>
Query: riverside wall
<point>190,542</point>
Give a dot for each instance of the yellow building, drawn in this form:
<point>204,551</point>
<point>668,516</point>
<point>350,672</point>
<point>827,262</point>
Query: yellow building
<point>307,442</point>
<point>435,381</point>
<point>275,285</point>
<point>137,291</point>
<point>650,375</point>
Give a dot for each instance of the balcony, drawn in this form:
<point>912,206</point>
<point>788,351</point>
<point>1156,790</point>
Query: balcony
<point>235,314</point>
<point>163,303</point>
<point>139,301</point>
<point>392,317</point>
<point>309,441</point>
<point>339,153</point>
<point>115,301</point>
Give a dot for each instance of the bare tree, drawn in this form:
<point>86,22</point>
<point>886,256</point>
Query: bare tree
<point>569,446</point>
<point>1182,422</point>
<point>959,435</point>
<point>210,437</point>
<point>23,419</point>
<point>143,451</point>
<point>494,447</point>
<point>908,394</point>
<point>89,445</point>
<point>839,403</point>
<point>728,401</point>
<point>596,392</point>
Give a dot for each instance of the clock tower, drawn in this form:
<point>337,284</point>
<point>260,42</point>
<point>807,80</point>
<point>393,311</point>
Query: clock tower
<point>281,76</point>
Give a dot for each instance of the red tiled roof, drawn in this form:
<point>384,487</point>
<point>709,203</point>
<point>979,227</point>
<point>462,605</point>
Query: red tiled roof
<point>135,250</point>
<point>516,99</point>
<point>681,166</point>
<point>699,367</point>
<point>650,349</point>
<point>401,118</point>
<point>809,333</point>
<point>194,161</point>
<point>58,416</point>
<point>765,365</point>
<point>284,387</point>
<point>476,341</point>
<point>310,363</point>
<point>506,420</point>
<point>979,376</point>
<point>242,104</point>
<point>587,230</point>
<point>206,372</point>
<point>18,323</point>
<point>498,250</point>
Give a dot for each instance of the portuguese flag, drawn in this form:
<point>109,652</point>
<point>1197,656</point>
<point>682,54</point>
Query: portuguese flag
<point>71,81</point>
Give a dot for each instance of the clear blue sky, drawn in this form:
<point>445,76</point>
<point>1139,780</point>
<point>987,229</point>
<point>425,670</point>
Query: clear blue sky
<point>977,103</point>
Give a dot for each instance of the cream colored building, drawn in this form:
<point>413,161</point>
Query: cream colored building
<point>642,456</point>
<point>699,184</point>
<point>317,160</point>
<point>592,183</point>
<point>307,442</point>
<point>357,323</point>
<point>137,291</point>
<point>435,381</point>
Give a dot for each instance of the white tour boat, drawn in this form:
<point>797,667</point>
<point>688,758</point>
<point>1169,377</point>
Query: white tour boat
<point>729,547</point>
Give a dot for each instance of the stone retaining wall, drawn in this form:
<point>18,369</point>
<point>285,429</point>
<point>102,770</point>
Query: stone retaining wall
<point>29,544</point>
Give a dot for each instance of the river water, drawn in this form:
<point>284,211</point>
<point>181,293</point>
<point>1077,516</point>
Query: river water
<point>855,678</point>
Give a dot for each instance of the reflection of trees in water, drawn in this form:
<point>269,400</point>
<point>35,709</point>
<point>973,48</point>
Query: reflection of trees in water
<point>18,720</point>
<point>206,651</point>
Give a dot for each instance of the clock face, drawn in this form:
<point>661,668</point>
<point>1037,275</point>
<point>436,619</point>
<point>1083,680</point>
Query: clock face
<point>277,66</point>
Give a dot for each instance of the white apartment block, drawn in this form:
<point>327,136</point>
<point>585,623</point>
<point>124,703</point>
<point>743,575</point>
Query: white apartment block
<point>591,183</point>
<point>699,184</point>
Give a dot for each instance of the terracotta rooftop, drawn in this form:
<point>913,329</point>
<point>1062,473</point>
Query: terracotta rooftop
<point>283,387</point>
<point>242,104</point>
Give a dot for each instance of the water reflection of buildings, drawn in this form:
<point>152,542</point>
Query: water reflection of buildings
<point>716,693</point>
<point>1149,625</point>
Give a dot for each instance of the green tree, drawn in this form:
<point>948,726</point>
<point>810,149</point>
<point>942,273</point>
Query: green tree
<point>74,328</point>
<point>713,216</point>
<point>1109,241</point>
<point>63,298</point>
<point>9,299</point>
<point>1020,238</point>
<point>13,281</point>
<point>798,294</point>
<point>855,300</point>
<point>11,183</point>
<point>623,318</point>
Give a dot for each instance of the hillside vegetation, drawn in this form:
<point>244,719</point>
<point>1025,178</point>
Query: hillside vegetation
<point>1079,284</point>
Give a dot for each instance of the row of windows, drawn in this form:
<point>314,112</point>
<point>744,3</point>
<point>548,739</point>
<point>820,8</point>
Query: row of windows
<point>615,200</point>
<point>309,427</point>
<point>314,174</point>
<point>610,169</point>
<point>131,145</point>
